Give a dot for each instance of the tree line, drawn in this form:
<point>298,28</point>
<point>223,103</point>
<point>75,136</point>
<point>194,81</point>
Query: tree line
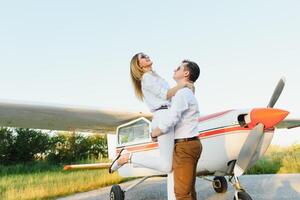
<point>19,145</point>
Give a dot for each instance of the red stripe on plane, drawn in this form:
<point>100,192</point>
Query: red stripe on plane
<point>205,134</point>
<point>139,147</point>
<point>220,131</point>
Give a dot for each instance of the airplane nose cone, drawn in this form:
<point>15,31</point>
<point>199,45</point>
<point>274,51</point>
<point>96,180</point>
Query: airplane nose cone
<point>268,116</point>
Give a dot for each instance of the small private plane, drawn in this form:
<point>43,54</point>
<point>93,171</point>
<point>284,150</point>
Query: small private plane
<point>233,140</point>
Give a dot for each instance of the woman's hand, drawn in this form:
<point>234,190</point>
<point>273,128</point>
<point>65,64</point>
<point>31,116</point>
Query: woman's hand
<point>154,139</point>
<point>180,85</point>
<point>155,133</point>
<point>189,85</point>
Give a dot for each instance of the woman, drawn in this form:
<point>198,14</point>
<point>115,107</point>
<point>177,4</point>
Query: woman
<point>156,93</point>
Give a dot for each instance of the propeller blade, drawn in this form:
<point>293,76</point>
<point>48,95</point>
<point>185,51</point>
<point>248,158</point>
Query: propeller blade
<point>248,149</point>
<point>277,92</point>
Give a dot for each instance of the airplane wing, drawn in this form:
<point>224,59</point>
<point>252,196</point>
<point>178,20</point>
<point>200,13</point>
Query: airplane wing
<point>289,123</point>
<point>66,118</point>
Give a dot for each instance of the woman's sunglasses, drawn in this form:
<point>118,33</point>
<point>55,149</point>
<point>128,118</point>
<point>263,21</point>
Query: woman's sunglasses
<point>143,56</point>
<point>178,68</point>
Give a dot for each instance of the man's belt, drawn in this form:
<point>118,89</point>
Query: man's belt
<point>162,108</point>
<point>186,139</point>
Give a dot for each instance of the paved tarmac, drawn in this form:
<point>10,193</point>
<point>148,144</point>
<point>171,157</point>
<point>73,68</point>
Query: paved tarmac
<point>260,187</point>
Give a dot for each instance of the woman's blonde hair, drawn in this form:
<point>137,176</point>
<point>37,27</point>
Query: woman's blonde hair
<point>136,73</point>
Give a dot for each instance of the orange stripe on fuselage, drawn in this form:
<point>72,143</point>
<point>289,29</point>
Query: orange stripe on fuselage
<point>136,148</point>
<point>202,135</point>
<point>221,131</point>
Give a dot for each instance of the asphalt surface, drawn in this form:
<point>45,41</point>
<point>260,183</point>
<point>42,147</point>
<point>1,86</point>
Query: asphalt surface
<point>260,187</point>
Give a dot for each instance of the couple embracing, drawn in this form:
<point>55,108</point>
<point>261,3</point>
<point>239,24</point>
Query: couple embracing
<point>174,124</point>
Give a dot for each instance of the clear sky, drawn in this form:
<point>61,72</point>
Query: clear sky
<point>78,52</point>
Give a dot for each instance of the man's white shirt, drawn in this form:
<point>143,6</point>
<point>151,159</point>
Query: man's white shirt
<point>183,115</point>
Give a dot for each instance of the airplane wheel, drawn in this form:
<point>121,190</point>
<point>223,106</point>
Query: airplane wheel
<point>243,196</point>
<point>116,193</point>
<point>220,184</point>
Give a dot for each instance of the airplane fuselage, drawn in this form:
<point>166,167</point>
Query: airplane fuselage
<point>222,136</point>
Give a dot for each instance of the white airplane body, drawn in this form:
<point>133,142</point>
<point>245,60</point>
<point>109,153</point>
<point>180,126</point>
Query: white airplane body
<point>222,138</point>
<point>232,140</point>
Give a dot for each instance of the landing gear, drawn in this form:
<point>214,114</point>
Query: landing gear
<point>240,193</point>
<point>116,193</point>
<point>220,184</point>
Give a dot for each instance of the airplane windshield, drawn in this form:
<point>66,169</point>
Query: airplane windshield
<point>137,132</point>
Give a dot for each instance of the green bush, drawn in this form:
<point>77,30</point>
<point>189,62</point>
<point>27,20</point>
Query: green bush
<point>68,148</point>
<point>98,148</point>
<point>265,165</point>
<point>7,140</point>
<point>62,148</point>
<point>29,145</point>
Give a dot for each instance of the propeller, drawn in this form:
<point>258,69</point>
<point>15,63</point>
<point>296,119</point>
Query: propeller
<point>277,92</point>
<point>248,149</point>
<point>256,134</point>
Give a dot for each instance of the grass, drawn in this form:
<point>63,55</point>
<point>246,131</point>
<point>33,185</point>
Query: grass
<point>49,183</point>
<point>278,160</point>
<point>43,181</point>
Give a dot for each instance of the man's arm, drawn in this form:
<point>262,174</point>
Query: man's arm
<point>179,105</point>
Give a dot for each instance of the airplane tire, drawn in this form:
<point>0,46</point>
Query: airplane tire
<point>116,193</point>
<point>243,196</point>
<point>220,184</point>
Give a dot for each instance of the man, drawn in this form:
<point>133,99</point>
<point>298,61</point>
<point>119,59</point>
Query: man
<point>184,114</point>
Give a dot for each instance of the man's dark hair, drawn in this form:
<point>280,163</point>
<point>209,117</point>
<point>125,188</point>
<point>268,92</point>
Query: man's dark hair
<point>193,68</point>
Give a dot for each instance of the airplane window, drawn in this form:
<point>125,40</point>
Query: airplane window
<point>137,132</point>
<point>124,134</point>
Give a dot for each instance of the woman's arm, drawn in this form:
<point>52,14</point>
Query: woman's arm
<point>171,92</point>
<point>151,84</point>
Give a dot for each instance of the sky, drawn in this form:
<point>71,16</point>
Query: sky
<point>78,52</point>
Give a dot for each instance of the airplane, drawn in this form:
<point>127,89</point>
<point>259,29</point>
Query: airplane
<point>232,140</point>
